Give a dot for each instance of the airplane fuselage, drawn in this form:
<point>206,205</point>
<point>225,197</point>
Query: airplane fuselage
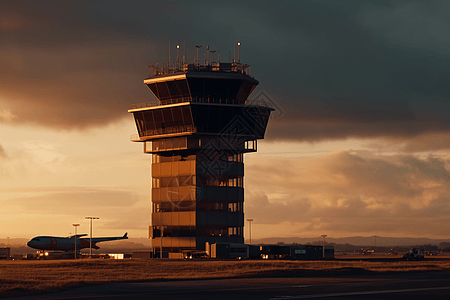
<point>67,243</point>
<point>58,243</point>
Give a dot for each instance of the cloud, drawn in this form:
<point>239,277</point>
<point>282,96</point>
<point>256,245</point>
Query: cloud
<point>71,88</point>
<point>277,210</point>
<point>4,163</point>
<point>336,69</point>
<point>117,209</point>
<point>7,116</point>
<point>2,152</point>
<point>135,219</point>
<point>73,200</point>
<point>349,192</point>
<point>424,142</point>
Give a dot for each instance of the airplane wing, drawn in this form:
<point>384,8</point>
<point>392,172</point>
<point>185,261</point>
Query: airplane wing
<point>78,235</point>
<point>104,239</point>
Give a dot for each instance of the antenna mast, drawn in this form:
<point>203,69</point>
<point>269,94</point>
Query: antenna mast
<point>178,48</point>
<point>198,64</point>
<point>239,52</point>
<point>185,53</point>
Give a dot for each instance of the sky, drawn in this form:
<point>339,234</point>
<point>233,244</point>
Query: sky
<point>358,145</point>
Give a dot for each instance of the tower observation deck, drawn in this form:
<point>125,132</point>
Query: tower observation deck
<point>197,133</point>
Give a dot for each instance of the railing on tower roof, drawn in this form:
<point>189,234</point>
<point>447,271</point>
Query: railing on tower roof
<point>168,69</point>
<point>163,131</point>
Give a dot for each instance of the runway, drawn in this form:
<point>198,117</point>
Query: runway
<point>431,285</point>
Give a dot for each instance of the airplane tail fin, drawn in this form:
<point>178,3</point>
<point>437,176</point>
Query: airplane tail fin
<point>125,236</point>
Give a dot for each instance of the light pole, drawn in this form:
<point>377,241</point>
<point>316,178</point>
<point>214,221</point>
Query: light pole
<point>323,244</point>
<point>90,237</point>
<point>250,229</point>
<point>161,233</point>
<point>76,225</point>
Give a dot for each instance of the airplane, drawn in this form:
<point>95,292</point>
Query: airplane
<point>68,243</point>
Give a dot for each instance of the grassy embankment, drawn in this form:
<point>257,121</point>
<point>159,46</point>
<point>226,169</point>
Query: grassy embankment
<point>23,277</point>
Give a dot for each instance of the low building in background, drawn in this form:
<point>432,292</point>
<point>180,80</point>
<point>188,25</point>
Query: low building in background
<point>243,251</point>
<point>142,254</point>
<point>5,253</point>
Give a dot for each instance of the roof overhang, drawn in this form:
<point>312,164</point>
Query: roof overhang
<point>213,75</point>
<point>158,107</point>
<point>165,78</point>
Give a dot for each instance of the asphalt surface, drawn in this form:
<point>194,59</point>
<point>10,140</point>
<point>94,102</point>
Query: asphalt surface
<point>411,286</point>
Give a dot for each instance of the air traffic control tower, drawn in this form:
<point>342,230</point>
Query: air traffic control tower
<point>197,133</point>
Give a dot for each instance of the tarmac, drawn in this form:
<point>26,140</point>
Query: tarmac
<point>411,286</point>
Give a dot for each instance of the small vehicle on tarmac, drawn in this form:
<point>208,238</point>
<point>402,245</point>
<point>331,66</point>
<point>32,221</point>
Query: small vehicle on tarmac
<point>413,254</point>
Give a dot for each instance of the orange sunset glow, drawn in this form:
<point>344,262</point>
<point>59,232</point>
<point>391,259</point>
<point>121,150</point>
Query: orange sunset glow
<point>358,144</point>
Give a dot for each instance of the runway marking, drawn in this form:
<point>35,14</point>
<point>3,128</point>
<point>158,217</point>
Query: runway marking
<point>358,293</point>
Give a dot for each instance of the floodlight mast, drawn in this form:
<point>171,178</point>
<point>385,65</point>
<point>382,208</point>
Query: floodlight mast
<point>161,233</point>
<point>250,229</point>
<point>76,225</point>
<point>90,237</point>
<point>323,244</point>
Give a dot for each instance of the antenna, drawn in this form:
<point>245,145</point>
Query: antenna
<point>178,48</point>
<point>184,45</point>
<point>234,51</point>
<point>198,64</point>
<point>239,52</point>
<point>185,53</point>
<point>207,55</point>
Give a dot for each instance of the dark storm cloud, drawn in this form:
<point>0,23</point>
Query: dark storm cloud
<point>69,66</point>
<point>363,70</point>
<point>336,69</point>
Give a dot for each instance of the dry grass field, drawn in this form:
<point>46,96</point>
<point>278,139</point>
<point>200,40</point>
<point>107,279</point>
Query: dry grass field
<point>28,277</point>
